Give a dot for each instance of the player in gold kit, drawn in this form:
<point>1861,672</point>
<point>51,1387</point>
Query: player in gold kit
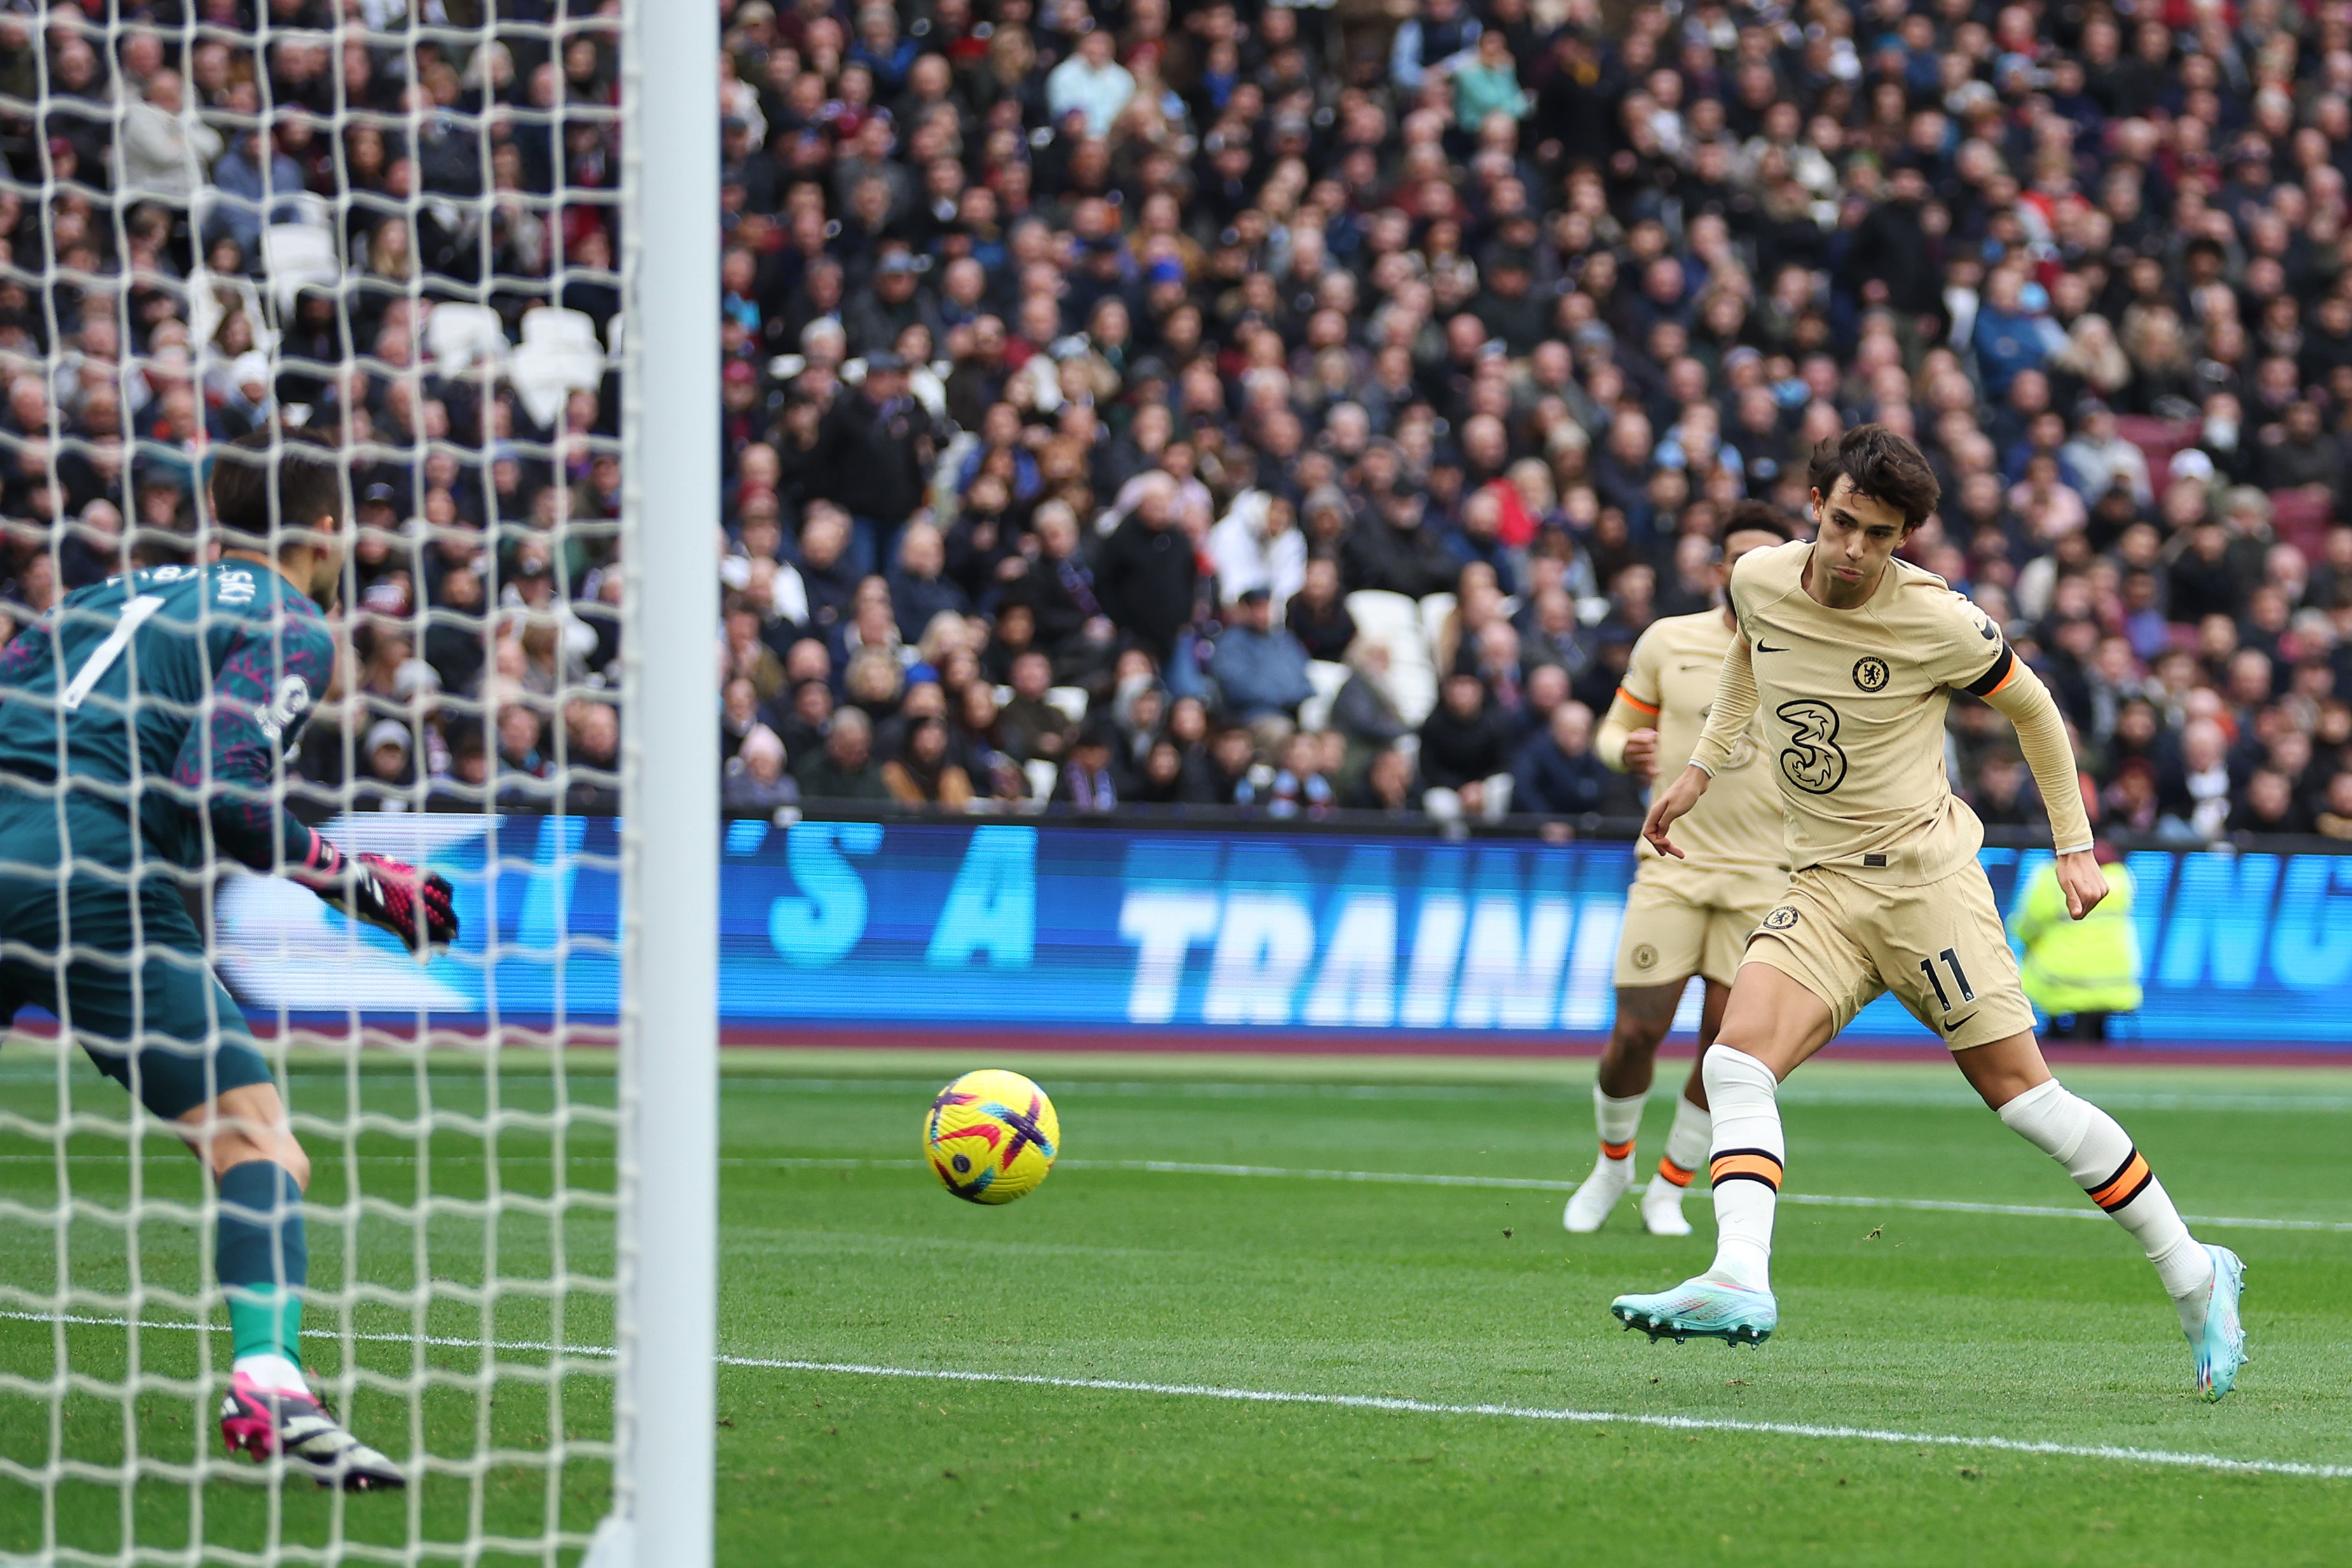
<point>1851,656</point>
<point>1683,917</point>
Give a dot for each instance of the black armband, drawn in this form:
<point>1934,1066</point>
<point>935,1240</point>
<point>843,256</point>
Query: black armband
<point>1994,678</point>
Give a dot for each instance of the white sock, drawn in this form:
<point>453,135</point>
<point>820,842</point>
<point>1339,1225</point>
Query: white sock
<point>1748,1153</point>
<point>271,1371</point>
<point>1686,1146</point>
<point>2101,1158</point>
<point>1618,1122</point>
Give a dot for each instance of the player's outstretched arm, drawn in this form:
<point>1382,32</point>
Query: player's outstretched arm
<point>229,764</point>
<point>2019,696</point>
<point>1670,805</point>
<point>1728,718</point>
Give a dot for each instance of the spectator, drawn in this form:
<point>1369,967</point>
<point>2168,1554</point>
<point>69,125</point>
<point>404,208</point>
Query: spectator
<point>1557,773</point>
<point>1090,84</point>
<point>876,445</point>
<point>1395,551</point>
<point>1386,788</point>
<point>388,781</point>
<point>918,593</point>
<point>1466,755</point>
<point>2098,459</point>
<point>1318,616</point>
<point>1030,727</point>
<point>924,774</point>
<point>754,782</point>
<point>842,769</point>
<point>1257,546</point>
<point>1148,572</point>
<point>1260,670</point>
<point>2195,797</point>
<point>1087,782</point>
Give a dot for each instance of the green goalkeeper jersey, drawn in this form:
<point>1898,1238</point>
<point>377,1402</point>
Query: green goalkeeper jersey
<point>169,698</point>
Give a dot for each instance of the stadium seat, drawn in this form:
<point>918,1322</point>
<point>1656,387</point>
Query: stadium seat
<point>2302,518</point>
<point>459,336</point>
<point>553,325</point>
<point>2158,439</point>
<point>1071,700</point>
<point>1041,776</point>
<point>1326,678</point>
<point>1436,611</point>
<point>559,353</point>
<point>1393,621</point>
<point>295,257</point>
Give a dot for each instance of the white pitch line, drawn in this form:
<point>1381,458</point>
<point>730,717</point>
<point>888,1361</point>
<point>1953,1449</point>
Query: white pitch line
<point>1618,1417</point>
<point>1532,1183</point>
<point>1368,1401</point>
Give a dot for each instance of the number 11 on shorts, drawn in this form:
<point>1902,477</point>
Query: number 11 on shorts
<point>1960,977</point>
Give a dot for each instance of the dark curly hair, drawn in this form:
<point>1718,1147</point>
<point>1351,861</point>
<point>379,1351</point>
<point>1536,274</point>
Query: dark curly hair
<point>1884,466</point>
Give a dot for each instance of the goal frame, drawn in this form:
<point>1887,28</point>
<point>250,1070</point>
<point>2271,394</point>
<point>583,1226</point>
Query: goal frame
<point>665,1397</point>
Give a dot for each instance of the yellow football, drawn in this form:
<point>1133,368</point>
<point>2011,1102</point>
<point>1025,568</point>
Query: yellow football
<point>992,1136</point>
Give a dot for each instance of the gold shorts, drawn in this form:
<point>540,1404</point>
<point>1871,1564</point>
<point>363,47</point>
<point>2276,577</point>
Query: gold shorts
<point>1939,947</point>
<point>1682,919</point>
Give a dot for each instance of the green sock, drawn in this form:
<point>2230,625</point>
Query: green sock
<point>263,1258</point>
<point>265,1319</point>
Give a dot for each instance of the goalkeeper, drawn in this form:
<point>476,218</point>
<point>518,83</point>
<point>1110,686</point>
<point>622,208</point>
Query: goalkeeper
<point>143,722</point>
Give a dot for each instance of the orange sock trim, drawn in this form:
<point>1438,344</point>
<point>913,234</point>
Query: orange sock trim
<point>2125,1184</point>
<point>1744,1166</point>
<point>1617,1150</point>
<point>1674,1174</point>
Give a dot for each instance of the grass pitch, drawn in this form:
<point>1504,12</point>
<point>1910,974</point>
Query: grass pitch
<point>1213,1231</point>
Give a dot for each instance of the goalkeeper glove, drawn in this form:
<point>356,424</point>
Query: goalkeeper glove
<point>388,894</point>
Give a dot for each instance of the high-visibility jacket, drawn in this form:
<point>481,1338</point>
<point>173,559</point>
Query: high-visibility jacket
<point>2090,965</point>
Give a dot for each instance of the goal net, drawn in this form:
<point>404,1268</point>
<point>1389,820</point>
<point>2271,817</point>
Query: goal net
<point>397,227</point>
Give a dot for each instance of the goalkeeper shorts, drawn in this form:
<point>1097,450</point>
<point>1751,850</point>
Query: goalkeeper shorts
<point>124,970</point>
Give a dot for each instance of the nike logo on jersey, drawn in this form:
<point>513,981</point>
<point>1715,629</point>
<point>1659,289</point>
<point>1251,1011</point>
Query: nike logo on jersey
<point>1687,669</point>
<point>1762,647</point>
<point>1986,632</point>
<point>1952,1026</point>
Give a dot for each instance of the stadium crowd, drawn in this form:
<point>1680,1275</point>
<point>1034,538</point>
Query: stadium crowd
<point>1223,404</point>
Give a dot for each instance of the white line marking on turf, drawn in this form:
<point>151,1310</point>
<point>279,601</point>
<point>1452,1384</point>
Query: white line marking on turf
<point>1618,1417</point>
<point>1532,1183</point>
<point>1364,1402</point>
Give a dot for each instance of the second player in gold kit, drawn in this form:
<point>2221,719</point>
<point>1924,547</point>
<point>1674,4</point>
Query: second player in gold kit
<point>1849,658</point>
<point>1687,916</point>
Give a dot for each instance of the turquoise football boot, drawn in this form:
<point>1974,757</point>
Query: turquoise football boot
<point>1702,1309</point>
<point>2222,1350</point>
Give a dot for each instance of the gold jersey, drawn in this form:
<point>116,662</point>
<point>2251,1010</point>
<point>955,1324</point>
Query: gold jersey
<point>1670,684</point>
<point>1851,705</point>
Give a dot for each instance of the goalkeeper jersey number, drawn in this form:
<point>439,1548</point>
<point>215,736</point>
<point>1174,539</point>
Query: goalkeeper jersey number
<point>189,683</point>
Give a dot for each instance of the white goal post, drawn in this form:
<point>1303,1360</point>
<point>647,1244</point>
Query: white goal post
<point>663,1479</point>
